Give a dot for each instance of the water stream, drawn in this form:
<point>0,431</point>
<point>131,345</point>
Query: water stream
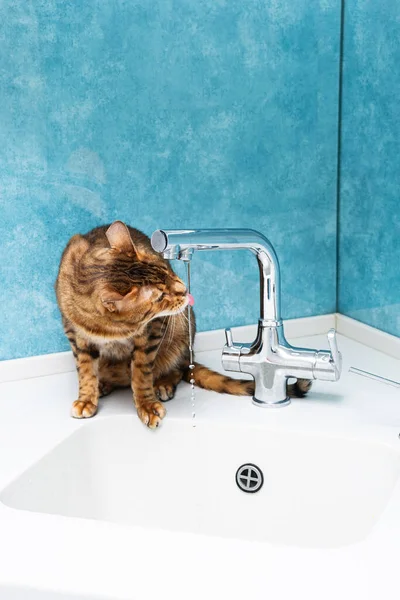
<point>191,355</point>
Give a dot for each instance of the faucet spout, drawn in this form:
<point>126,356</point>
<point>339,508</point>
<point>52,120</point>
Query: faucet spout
<point>181,243</point>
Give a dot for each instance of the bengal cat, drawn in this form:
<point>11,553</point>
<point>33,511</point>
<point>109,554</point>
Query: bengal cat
<point>124,311</point>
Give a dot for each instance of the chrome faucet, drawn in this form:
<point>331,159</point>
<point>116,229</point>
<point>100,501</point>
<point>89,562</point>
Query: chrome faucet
<point>270,359</point>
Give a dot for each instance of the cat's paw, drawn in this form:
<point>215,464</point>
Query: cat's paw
<point>151,413</point>
<point>165,391</point>
<point>83,409</point>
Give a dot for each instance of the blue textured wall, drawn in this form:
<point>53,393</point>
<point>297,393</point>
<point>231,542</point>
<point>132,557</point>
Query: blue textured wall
<point>369,260</point>
<point>167,113</point>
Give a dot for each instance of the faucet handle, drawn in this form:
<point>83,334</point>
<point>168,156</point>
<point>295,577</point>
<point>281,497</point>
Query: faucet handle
<point>336,355</point>
<point>228,337</point>
<point>231,353</point>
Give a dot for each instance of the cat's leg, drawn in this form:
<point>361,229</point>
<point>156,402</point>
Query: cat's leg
<point>165,386</point>
<point>86,365</point>
<point>149,409</point>
<point>86,357</point>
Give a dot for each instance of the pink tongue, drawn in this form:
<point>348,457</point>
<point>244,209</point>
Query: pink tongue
<point>191,299</point>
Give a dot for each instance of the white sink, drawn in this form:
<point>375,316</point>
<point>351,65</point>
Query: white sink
<point>319,492</point>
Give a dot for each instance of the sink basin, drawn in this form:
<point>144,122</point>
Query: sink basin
<point>318,491</point>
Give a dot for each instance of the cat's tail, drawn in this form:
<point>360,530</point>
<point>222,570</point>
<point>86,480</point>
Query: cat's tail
<point>211,380</point>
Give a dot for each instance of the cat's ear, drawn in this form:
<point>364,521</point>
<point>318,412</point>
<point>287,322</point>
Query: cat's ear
<point>115,302</point>
<point>111,300</point>
<point>119,238</point>
<point>139,294</point>
<point>146,292</point>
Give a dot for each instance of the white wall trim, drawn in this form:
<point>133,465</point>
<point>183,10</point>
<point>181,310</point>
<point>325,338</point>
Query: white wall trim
<point>36,366</point>
<point>369,336</point>
<point>63,362</point>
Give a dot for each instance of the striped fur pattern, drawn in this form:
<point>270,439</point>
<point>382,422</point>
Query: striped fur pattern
<point>124,311</point>
<point>211,380</point>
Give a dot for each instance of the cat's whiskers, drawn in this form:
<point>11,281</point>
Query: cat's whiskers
<point>172,332</point>
<point>185,322</point>
<point>183,316</point>
<point>163,337</point>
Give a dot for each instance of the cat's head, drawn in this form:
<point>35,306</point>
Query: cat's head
<point>136,284</point>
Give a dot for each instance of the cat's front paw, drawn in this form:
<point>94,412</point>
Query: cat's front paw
<point>151,413</point>
<point>83,409</point>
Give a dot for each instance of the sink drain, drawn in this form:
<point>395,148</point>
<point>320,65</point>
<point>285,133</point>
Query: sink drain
<point>249,478</point>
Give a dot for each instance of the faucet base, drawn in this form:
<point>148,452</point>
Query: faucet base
<point>266,404</point>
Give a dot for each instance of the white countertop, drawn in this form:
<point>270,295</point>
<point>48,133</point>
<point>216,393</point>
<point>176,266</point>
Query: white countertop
<point>97,559</point>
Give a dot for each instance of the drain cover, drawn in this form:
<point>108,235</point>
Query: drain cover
<point>249,478</point>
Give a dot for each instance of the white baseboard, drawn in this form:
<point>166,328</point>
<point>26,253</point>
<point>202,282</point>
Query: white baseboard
<point>36,366</point>
<point>63,362</point>
<point>369,336</point>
